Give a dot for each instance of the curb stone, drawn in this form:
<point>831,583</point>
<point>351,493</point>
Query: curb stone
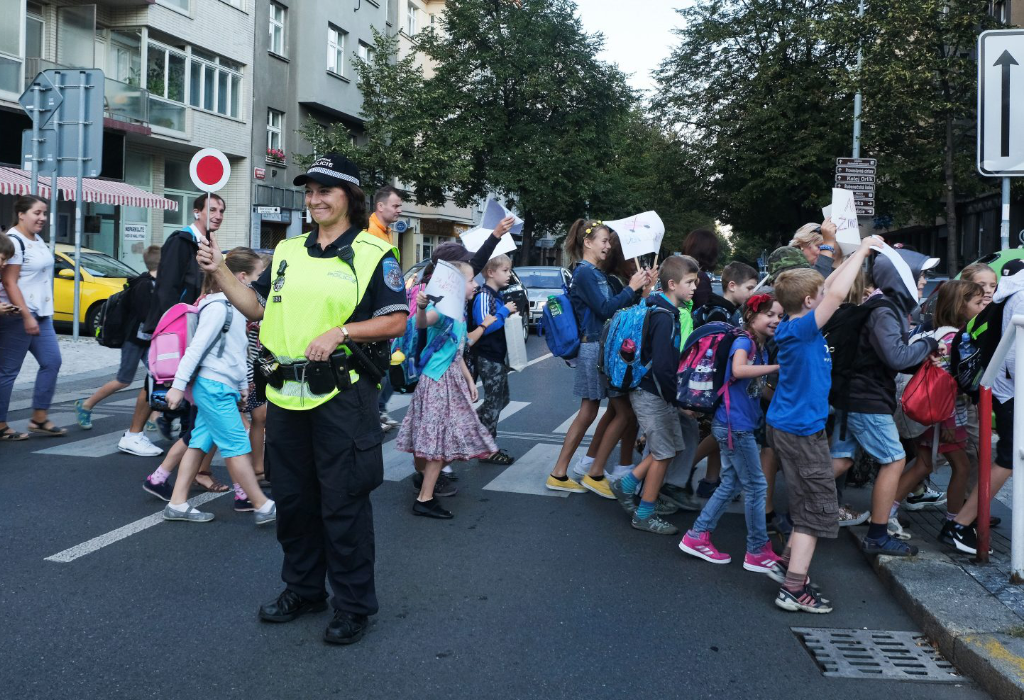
<point>972,629</point>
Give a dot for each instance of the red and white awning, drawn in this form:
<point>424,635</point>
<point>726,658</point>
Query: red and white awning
<point>15,181</point>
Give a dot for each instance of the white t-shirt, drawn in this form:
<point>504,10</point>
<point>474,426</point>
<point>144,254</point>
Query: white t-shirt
<point>36,279</point>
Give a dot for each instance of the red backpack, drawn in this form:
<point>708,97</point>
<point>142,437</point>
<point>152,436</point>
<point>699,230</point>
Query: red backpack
<point>930,396</point>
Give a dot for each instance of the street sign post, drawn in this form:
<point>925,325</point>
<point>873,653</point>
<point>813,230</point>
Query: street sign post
<point>858,176</point>
<point>1000,106</point>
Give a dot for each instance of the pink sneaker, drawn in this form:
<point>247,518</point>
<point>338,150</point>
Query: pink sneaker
<point>700,546</point>
<point>763,562</point>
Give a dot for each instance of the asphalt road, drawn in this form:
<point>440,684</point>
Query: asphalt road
<point>520,595</point>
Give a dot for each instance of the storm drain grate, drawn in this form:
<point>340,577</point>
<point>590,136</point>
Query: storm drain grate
<point>876,654</point>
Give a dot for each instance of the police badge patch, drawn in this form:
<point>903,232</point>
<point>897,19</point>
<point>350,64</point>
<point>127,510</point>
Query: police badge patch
<point>279,283</point>
<point>393,275</point>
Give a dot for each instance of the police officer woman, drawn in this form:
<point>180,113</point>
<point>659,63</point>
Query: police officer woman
<point>326,292</point>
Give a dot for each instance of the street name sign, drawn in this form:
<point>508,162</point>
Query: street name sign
<point>1001,103</point>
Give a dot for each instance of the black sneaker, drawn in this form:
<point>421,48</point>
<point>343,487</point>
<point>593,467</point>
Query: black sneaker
<point>431,509</point>
<point>166,427</point>
<point>780,525</point>
<point>965,539</point>
<point>706,489</point>
<point>946,534</point>
<point>162,491</point>
<point>243,505</point>
<point>443,487</point>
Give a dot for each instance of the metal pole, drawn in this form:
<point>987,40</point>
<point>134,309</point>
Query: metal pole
<point>36,107</point>
<point>857,97</point>
<point>81,87</point>
<point>1017,536</point>
<point>984,471</point>
<point>54,218</point>
<point>1004,224</point>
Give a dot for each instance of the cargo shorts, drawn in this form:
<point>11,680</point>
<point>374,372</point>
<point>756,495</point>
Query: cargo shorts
<point>807,465</point>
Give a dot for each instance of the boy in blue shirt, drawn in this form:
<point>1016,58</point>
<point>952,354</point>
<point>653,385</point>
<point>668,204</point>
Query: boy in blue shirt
<point>797,415</point>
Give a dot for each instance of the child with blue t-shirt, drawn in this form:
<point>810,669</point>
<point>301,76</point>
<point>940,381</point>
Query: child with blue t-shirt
<point>797,415</point>
<point>734,427</point>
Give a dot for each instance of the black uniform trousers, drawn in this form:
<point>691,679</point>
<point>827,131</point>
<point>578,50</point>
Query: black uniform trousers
<point>326,461</point>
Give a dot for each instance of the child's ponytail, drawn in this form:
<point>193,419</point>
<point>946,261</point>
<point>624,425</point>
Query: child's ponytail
<point>580,230</point>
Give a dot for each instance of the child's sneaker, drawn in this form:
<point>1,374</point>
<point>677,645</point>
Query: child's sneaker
<point>965,539</point>
<point>83,415</point>
<point>780,525</point>
<point>162,491</point>
<point>243,505</point>
<point>849,517</point>
<point>665,507</point>
<point>887,545</point>
<point>706,489</point>
<point>150,427</point>
<point>625,499</point>
<point>946,533</point>
<point>654,524</point>
<point>763,561</point>
<point>700,546</point>
<point>598,486</point>
<point>929,499</point>
<point>896,530</point>
<point>808,600</point>
<point>582,467</point>
<point>568,485</point>
<point>681,496</point>
<point>618,472</point>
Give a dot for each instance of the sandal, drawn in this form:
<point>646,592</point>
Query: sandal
<point>47,428</point>
<point>9,434</point>
<point>214,487</point>
<point>261,478</point>
<point>501,457</point>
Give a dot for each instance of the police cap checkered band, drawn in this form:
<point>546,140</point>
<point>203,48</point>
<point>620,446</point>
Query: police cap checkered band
<point>331,170</point>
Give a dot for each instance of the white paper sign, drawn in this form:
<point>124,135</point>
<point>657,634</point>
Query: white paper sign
<point>494,212</point>
<point>826,212</point>
<point>447,290</point>
<point>516,343</point>
<point>844,216</point>
<point>474,238</point>
<point>906,274</point>
<point>135,232</point>
<point>640,234</point>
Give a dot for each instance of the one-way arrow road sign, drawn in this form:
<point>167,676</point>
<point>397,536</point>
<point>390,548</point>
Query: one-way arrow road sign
<point>1001,103</point>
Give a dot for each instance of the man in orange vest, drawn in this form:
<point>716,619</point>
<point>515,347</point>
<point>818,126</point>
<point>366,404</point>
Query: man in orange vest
<point>387,209</point>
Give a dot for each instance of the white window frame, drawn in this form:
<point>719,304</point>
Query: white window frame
<point>152,44</point>
<point>275,129</point>
<point>365,52</point>
<point>277,23</point>
<point>239,4</point>
<point>335,50</point>
<point>20,58</point>
<point>411,25</point>
<point>175,5</point>
<point>217,68</point>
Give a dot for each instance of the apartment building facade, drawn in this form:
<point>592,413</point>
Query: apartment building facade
<point>178,79</point>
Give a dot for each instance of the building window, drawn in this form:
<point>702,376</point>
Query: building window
<point>240,4</point>
<point>277,15</point>
<point>179,4</point>
<point>215,84</point>
<point>34,31</point>
<point>411,28</point>
<point>365,52</point>
<point>275,127</point>
<point>428,247</point>
<point>165,72</point>
<point>335,50</point>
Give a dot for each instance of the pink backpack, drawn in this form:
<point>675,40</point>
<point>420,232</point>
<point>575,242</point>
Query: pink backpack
<point>170,339</point>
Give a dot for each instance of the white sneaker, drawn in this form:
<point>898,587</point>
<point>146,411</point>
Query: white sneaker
<point>138,445</point>
<point>619,471</point>
<point>387,420</point>
<point>896,530</point>
<point>582,467</point>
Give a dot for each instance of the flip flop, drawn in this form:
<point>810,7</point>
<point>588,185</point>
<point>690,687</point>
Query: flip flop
<point>48,429</point>
<point>12,435</point>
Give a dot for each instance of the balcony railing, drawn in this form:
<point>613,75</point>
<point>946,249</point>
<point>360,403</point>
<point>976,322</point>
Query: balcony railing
<point>167,115</point>
<point>121,101</point>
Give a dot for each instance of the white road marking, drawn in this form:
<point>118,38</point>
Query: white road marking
<point>528,473</point>
<point>96,543</point>
<point>96,446</point>
<point>538,359</point>
<point>564,427</point>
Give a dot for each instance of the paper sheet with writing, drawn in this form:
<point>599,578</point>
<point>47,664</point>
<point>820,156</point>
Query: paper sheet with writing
<point>447,290</point>
<point>844,216</point>
<point>640,234</point>
<point>494,212</point>
<point>475,237</point>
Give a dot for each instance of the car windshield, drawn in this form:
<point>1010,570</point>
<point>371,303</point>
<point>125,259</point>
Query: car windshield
<point>100,265</point>
<point>541,279</point>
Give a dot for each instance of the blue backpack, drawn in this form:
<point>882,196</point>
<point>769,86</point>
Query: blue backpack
<point>622,345</point>
<point>559,326</point>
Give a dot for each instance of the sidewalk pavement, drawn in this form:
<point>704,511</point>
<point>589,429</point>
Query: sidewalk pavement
<point>85,366</point>
<point>970,611</point>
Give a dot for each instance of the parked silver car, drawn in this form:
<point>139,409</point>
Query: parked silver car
<point>541,282</point>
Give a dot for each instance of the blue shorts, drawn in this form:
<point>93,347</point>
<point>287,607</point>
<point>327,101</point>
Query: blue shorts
<point>219,422</point>
<point>131,355</point>
<point>876,434</point>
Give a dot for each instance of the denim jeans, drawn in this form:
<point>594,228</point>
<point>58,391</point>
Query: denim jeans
<point>15,343</point>
<point>386,391</point>
<point>741,468</point>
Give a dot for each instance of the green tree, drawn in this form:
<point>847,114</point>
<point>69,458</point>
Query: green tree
<point>750,89</point>
<point>919,80</point>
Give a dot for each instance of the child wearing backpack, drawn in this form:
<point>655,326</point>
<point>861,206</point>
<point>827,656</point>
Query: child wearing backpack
<point>491,349</point>
<point>796,420</point>
<point>958,302</point>
<point>736,420</point>
<point>738,282</point>
<point>138,299</point>
<point>440,425</point>
<point>593,303</point>
<point>654,402</point>
<point>866,403</point>
<point>216,359</point>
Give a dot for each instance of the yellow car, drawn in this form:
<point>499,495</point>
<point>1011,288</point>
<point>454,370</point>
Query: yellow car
<point>102,277</point>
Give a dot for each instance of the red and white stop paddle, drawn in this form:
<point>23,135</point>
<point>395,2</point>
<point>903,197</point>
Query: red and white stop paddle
<point>210,171</point>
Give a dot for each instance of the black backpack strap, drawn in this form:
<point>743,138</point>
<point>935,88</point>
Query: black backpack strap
<point>16,237</point>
